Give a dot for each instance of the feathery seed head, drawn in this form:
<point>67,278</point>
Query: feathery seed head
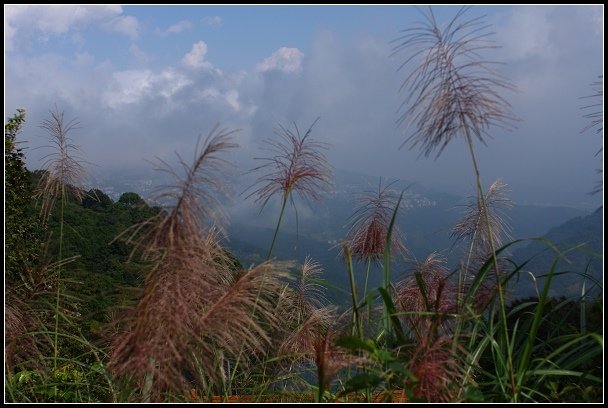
<point>63,168</point>
<point>482,230</point>
<point>369,225</point>
<point>298,164</point>
<point>451,87</point>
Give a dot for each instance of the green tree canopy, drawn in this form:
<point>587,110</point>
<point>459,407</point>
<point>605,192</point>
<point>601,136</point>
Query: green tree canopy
<point>96,199</point>
<point>131,199</point>
<point>22,240</point>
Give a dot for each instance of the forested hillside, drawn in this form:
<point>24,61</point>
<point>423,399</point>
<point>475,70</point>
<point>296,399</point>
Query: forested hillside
<point>581,241</point>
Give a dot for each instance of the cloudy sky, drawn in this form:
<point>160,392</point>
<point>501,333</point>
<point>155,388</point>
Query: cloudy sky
<point>145,81</point>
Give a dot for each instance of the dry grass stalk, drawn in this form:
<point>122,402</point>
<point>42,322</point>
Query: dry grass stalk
<point>309,295</point>
<point>451,90</point>
<point>192,199</point>
<point>63,167</point>
<point>188,315</point>
<point>369,224</point>
<point>483,225</point>
<point>193,310</point>
<point>297,164</point>
<point>438,369</point>
<point>436,296</point>
<point>596,118</point>
<point>304,314</point>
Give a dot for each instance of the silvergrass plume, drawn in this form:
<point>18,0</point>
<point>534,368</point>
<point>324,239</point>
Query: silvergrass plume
<point>430,306</point>
<point>188,315</point>
<point>301,341</point>
<point>193,308</point>
<point>596,107</point>
<point>438,368</point>
<point>20,347</point>
<point>297,164</point>
<point>193,200</point>
<point>27,317</point>
<point>596,120</point>
<point>310,329</point>
<point>309,295</point>
<point>329,359</point>
<point>63,167</point>
<point>304,311</point>
<point>453,90</point>
<point>450,86</point>
<point>474,227</point>
<point>430,292</point>
<point>63,170</point>
<point>366,237</point>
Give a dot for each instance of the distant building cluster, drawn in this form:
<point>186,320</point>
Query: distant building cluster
<point>115,187</point>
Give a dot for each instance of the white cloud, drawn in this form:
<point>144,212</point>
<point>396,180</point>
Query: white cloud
<point>22,23</point>
<point>84,59</point>
<point>78,40</point>
<point>180,26</point>
<point>214,21</point>
<point>76,82</point>
<point>229,98</point>
<point>542,48</point>
<point>196,57</point>
<point>526,33</point>
<point>351,83</point>
<point>138,53</point>
<point>129,87</point>
<point>170,81</point>
<point>133,86</point>
<point>232,99</point>
<point>284,59</point>
<point>127,25</point>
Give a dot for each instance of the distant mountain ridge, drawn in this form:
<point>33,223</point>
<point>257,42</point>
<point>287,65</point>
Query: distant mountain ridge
<point>426,220</point>
<point>586,231</point>
<point>316,229</point>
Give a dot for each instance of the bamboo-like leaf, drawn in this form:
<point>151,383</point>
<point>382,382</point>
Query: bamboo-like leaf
<point>354,343</point>
<point>392,314</point>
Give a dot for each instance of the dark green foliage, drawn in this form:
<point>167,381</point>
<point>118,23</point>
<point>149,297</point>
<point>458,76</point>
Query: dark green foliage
<point>131,199</point>
<point>102,272</point>
<point>560,344</point>
<point>23,231</point>
<point>96,199</point>
<point>385,372</point>
<point>562,315</point>
<point>580,230</point>
<point>72,383</point>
